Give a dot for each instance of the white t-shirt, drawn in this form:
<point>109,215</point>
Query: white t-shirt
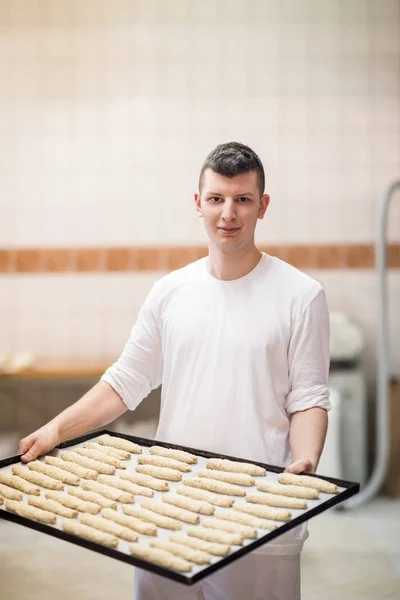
<point>235,358</point>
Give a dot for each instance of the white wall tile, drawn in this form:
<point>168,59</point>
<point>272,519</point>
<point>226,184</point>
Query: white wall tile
<point>107,112</point>
<point>386,11</point>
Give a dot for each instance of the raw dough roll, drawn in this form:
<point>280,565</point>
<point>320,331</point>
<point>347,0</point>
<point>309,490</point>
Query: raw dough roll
<point>160,557</point>
<point>10,493</point>
<point>30,512</point>
<point>163,461</point>
<point>52,506</point>
<point>235,478</point>
<point>71,467</point>
<point>19,484</point>
<point>146,481</point>
<point>215,535</point>
<point>216,487</point>
<point>293,491</point>
<point>196,494</point>
<point>108,492</point>
<point>74,503</point>
<point>111,527</point>
<point>306,481</point>
<point>101,457</point>
<point>119,443</point>
<point>244,530</point>
<point>264,512</point>
<point>147,515</point>
<point>162,508</point>
<point>94,498</point>
<point>120,454</point>
<point>275,500</point>
<point>181,455</point>
<point>143,527</point>
<point>160,472</point>
<point>37,478</point>
<point>126,486</point>
<point>191,542</point>
<point>87,463</point>
<point>195,556</point>
<point>237,517</point>
<point>222,464</point>
<point>89,533</point>
<point>197,506</point>
<point>54,472</point>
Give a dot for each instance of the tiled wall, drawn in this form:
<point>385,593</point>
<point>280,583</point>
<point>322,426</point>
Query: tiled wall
<point>108,108</point>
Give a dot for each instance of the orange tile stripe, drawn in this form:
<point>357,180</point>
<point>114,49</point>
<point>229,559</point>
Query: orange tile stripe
<point>168,258</point>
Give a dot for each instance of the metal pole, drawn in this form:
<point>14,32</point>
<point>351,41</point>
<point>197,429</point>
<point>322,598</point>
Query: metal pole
<point>374,484</point>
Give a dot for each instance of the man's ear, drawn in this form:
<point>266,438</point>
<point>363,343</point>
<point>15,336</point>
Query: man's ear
<point>264,202</point>
<point>198,204</point>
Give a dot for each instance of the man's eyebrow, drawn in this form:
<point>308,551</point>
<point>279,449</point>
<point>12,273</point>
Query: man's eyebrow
<point>244,194</point>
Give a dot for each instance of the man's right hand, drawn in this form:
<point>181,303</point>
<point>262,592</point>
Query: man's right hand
<point>39,442</point>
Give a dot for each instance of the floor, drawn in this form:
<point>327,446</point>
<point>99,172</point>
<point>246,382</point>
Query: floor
<point>354,555</point>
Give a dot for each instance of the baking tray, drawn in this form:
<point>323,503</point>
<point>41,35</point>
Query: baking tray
<point>315,507</point>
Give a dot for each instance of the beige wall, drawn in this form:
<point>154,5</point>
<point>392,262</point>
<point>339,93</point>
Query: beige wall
<point>108,108</point>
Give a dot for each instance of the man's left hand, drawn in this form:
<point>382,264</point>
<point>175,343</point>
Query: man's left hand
<point>300,466</point>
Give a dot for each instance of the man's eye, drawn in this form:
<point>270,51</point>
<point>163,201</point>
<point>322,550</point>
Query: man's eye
<point>243,200</point>
<point>215,199</point>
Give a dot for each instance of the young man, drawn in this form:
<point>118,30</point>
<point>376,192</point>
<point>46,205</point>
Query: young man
<point>240,342</point>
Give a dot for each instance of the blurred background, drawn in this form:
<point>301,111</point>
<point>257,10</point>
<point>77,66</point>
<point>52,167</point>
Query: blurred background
<point>107,112</point>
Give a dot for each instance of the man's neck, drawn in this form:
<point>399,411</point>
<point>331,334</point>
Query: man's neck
<point>230,266</point>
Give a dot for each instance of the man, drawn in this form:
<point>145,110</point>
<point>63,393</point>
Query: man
<point>239,341</point>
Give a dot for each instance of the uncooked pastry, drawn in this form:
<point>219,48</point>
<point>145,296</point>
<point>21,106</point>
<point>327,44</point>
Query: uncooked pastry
<point>275,500</point>
<point>147,515</point>
<point>196,494</point>
<point>198,506</point>
<point>37,478</point>
<point>108,492</point>
<point>88,463</point>
<point>54,472</point>
<point>52,506</point>
<point>74,503</point>
<point>128,521</point>
<point>89,533</point>
<point>222,464</point>
<point>71,467</point>
<point>162,508</point>
<point>119,443</point>
<point>235,478</point>
<point>181,455</point>
<point>30,512</point>
<point>109,527</point>
<point>216,487</point>
<point>146,481</point>
<point>215,535</point>
<point>198,544</point>
<point>160,472</point>
<point>160,557</point>
<point>163,461</point>
<point>306,481</point>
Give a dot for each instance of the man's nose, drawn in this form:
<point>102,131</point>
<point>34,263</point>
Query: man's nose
<point>228,212</point>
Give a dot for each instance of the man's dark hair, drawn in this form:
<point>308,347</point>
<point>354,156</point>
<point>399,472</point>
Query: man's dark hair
<point>233,159</point>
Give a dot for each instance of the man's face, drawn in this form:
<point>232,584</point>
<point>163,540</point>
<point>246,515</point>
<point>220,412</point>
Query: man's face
<point>230,208</point>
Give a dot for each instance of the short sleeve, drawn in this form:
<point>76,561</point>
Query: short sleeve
<point>308,358</point>
<point>139,368</point>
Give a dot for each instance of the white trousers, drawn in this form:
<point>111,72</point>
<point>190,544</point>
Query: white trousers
<point>252,577</point>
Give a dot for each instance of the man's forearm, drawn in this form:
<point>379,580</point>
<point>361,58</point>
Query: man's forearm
<point>98,407</point>
<point>307,435</point>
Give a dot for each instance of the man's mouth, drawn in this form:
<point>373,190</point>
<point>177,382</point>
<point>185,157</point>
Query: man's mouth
<point>229,229</point>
